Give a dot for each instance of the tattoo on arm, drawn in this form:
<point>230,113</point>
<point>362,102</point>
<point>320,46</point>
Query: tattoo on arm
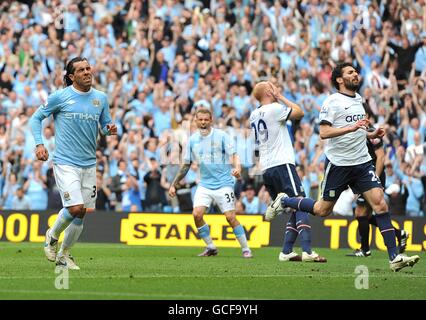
<point>181,173</point>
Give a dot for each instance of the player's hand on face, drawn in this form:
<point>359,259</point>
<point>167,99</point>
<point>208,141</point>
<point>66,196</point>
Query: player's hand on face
<point>273,90</point>
<point>112,129</point>
<point>236,173</point>
<point>41,153</point>
<point>172,191</point>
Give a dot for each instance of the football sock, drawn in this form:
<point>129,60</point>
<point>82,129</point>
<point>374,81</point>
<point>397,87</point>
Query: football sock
<point>364,233</point>
<point>304,229</point>
<point>373,222</point>
<point>240,234</point>
<point>290,235</point>
<point>398,234</point>
<point>204,233</point>
<point>63,220</point>
<point>388,233</point>
<point>300,204</point>
<point>72,233</point>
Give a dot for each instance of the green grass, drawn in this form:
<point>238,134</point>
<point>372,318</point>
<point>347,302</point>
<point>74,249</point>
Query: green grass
<point>114,271</point>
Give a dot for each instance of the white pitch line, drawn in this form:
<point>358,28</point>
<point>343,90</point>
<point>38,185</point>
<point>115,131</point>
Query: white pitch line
<point>319,275</point>
<point>125,294</point>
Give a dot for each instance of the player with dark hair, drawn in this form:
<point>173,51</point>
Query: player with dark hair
<point>215,153</point>
<point>363,211</point>
<point>343,125</point>
<point>78,110</point>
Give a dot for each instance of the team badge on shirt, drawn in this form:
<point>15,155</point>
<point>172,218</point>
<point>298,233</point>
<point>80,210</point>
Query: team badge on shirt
<point>67,196</point>
<point>96,102</point>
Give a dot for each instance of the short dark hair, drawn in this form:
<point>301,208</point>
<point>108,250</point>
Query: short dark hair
<point>70,70</point>
<point>338,73</point>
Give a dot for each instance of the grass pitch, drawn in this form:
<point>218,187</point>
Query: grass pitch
<point>114,271</point>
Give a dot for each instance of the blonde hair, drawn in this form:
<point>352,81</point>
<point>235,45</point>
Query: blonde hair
<point>203,110</point>
<point>259,90</point>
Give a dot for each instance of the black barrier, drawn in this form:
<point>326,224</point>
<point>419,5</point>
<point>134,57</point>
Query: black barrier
<point>177,229</point>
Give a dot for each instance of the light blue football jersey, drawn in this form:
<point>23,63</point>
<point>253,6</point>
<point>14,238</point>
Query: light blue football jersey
<point>212,153</point>
<point>77,116</point>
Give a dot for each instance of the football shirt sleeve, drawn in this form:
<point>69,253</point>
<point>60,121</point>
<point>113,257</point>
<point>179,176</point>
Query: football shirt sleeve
<point>50,107</point>
<point>282,112</point>
<point>327,113</point>
<point>105,117</point>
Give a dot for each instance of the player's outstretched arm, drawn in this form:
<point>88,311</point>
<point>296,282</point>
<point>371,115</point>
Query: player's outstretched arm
<point>327,131</point>
<point>179,176</point>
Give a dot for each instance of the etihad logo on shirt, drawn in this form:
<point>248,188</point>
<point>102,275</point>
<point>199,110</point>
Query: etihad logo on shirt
<point>81,116</point>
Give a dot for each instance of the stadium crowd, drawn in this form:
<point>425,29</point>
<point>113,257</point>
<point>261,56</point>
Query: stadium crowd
<point>158,60</point>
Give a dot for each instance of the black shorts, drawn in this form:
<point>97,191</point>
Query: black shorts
<point>283,178</point>
<point>360,178</point>
<point>361,201</point>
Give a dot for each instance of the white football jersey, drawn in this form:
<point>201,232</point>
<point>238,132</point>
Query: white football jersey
<point>341,111</point>
<point>268,124</point>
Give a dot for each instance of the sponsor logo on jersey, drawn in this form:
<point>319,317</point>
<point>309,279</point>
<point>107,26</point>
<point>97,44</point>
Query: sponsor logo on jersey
<point>71,102</point>
<point>81,116</point>
<point>354,117</point>
<point>96,102</point>
<point>332,193</point>
<point>67,196</point>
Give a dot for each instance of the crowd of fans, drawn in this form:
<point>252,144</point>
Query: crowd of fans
<point>160,59</point>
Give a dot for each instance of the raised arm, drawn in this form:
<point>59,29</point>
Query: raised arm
<point>296,111</point>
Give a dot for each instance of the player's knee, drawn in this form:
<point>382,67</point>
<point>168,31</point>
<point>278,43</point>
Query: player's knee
<point>360,211</point>
<point>231,219</point>
<point>321,210</point>
<point>198,214</point>
<point>380,205</point>
<point>77,211</point>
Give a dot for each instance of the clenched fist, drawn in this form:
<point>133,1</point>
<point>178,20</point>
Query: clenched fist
<point>41,152</point>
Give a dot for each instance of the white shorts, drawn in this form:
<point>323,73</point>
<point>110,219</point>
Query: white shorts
<point>223,197</point>
<point>76,185</point>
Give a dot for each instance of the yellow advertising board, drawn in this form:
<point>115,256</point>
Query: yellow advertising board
<point>179,230</point>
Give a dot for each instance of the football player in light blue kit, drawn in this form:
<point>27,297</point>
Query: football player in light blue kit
<point>77,110</point>
<point>212,149</point>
